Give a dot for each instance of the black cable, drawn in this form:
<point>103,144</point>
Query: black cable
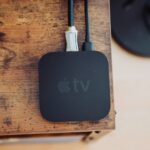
<point>87,21</point>
<point>70,13</point>
<point>87,45</point>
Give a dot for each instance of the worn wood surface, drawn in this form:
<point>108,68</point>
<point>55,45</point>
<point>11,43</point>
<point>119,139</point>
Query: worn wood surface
<point>28,30</point>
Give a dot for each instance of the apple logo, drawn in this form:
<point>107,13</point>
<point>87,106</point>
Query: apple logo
<point>77,86</point>
<point>63,86</point>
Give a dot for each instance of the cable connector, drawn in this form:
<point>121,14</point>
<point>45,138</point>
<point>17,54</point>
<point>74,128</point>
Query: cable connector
<point>87,46</point>
<point>71,39</point>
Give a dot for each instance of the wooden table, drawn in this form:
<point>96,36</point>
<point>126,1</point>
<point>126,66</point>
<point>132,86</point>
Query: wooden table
<point>28,30</point>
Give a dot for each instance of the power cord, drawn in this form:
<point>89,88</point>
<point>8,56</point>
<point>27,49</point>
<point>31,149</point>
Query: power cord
<point>71,33</point>
<point>88,44</point>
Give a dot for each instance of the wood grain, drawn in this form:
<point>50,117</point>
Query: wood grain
<point>28,30</point>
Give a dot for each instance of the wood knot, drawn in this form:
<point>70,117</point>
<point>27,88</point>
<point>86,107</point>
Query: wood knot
<point>6,57</point>
<point>2,35</point>
<point>1,23</point>
<point>3,102</point>
<point>7,121</point>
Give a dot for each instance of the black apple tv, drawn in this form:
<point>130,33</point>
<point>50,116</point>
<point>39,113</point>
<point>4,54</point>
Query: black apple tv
<point>74,86</point>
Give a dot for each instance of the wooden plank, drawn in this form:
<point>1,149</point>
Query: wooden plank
<point>28,30</point>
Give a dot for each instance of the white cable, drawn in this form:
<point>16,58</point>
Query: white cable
<point>71,39</point>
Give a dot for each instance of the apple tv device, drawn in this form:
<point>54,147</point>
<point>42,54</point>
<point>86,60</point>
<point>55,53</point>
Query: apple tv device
<point>74,86</point>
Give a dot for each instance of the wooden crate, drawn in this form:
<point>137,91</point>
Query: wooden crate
<point>28,30</point>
